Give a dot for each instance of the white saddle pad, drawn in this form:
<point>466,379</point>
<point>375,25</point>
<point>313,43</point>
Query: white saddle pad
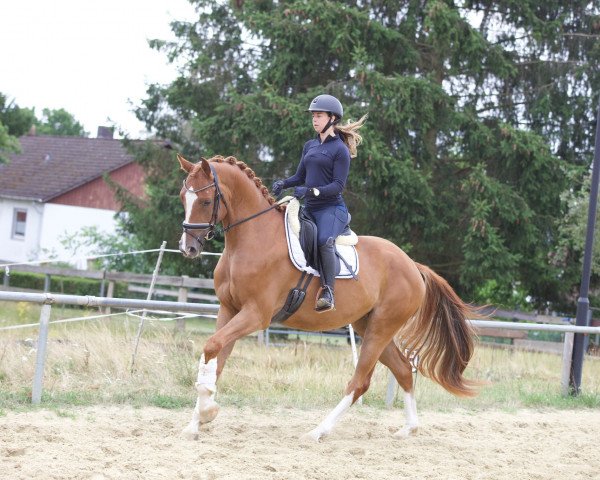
<point>344,245</point>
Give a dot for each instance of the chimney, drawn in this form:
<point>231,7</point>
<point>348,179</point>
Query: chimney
<point>105,132</point>
<point>32,131</point>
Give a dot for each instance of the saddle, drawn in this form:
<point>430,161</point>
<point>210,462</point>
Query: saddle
<point>301,233</point>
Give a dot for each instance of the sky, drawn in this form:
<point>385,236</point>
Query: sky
<point>90,58</point>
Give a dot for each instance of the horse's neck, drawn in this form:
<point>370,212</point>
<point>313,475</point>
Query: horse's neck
<point>247,200</point>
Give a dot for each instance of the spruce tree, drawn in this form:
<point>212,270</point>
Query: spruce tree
<point>481,114</point>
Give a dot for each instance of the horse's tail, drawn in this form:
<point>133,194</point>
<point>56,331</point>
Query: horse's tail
<point>440,335</point>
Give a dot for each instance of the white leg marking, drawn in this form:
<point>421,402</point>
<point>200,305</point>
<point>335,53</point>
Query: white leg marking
<point>410,412</point>
<point>326,426</point>
<point>206,408</point>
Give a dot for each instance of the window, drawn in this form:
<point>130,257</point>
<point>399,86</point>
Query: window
<point>19,223</point>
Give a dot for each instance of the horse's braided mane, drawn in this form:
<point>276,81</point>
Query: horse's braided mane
<point>249,173</point>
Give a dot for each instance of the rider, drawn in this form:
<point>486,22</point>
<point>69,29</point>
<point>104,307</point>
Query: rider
<point>320,179</point>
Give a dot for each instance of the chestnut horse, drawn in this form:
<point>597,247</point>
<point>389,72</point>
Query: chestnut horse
<point>396,305</point>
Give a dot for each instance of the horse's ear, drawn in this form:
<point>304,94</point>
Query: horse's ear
<point>205,167</point>
<point>186,165</point>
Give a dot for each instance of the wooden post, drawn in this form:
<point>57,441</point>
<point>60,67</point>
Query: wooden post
<point>110,292</point>
<point>47,283</point>
<point>103,284</point>
<point>182,297</point>
<point>6,277</point>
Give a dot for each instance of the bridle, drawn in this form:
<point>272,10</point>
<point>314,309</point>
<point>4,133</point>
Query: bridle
<point>212,224</point>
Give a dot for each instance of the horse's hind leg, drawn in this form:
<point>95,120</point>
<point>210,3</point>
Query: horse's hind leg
<point>326,426</point>
<point>372,348</point>
<point>402,370</point>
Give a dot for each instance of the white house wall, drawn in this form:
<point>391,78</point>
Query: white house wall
<point>47,224</point>
<point>20,249</point>
<point>61,220</point>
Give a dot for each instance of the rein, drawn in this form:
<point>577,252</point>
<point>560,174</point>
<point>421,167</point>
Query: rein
<point>215,213</point>
<point>235,224</point>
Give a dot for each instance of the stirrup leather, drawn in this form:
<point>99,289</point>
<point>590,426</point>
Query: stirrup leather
<point>325,300</point>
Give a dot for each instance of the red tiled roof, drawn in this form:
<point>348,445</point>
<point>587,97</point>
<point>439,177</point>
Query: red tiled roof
<point>49,166</point>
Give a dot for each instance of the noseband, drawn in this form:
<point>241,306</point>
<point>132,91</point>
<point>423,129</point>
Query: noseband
<point>215,213</point>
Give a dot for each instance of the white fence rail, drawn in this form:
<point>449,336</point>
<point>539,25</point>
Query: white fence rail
<point>48,299</point>
<point>568,330</point>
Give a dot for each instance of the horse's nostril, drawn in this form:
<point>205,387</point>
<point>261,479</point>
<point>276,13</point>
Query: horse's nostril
<point>191,251</point>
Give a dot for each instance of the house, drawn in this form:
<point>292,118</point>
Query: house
<point>55,187</point>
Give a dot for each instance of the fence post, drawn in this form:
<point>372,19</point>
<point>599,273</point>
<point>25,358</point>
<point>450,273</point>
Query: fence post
<point>567,357</point>
<point>6,277</point>
<point>47,283</point>
<point>103,283</point>
<point>110,293</point>
<point>390,393</point>
<point>40,360</point>
<point>182,297</point>
<point>148,297</point>
<point>354,352</point>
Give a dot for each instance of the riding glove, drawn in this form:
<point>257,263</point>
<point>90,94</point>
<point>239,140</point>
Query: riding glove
<point>277,187</point>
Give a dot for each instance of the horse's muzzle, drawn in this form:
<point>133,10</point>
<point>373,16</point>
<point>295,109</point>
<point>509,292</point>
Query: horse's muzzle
<point>190,247</point>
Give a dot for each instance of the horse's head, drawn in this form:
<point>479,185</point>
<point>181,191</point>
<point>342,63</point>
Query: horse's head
<point>201,197</point>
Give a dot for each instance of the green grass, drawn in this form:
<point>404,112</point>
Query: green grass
<point>89,364</point>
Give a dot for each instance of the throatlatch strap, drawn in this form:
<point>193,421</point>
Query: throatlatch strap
<point>294,299</point>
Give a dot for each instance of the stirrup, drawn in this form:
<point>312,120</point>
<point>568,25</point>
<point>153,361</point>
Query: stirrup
<point>323,305</point>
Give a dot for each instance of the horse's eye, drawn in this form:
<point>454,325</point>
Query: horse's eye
<point>206,203</point>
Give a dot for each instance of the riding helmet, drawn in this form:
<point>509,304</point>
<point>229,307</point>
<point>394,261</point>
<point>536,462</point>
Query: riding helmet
<point>327,103</point>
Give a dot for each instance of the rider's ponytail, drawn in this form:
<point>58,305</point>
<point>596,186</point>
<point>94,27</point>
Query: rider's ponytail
<point>349,134</point>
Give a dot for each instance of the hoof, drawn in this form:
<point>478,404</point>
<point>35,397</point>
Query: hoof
<point>406,432</point>
<point>209,412</point>
<point>314,436</point>
<point>191,431</point>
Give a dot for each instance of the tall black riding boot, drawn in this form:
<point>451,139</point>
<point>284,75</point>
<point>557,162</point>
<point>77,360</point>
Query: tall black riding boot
<point>325,301</point>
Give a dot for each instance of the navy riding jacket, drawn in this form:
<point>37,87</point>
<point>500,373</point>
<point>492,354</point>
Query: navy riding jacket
<point>324,166</point>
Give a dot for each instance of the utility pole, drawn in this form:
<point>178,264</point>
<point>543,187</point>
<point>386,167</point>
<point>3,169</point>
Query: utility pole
<point>583,303</point>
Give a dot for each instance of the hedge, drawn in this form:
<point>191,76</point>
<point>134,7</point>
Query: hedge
<point>63,285</point>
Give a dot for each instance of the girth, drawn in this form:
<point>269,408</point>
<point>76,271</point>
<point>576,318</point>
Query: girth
<point>294,299</point>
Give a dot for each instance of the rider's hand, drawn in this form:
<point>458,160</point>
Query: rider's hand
<point>301,192</point>
<point>277,187</point>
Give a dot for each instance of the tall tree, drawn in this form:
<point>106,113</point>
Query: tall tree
<point>59,122</point>
<point>16,119</point>
<point>479,113</point>
<point>8,144</point>
<point>14,122</point>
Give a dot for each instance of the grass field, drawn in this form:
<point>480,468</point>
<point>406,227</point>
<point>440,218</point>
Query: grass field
<point>90,363</point>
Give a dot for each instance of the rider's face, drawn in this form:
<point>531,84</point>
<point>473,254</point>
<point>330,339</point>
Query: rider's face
<point>319,120</point>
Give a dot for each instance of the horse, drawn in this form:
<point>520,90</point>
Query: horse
<point>399,307</point>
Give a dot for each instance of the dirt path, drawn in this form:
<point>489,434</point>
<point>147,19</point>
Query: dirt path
<point>113,443</point>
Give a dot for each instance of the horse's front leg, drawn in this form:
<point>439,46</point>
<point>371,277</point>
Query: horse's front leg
<point>216,351</point>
